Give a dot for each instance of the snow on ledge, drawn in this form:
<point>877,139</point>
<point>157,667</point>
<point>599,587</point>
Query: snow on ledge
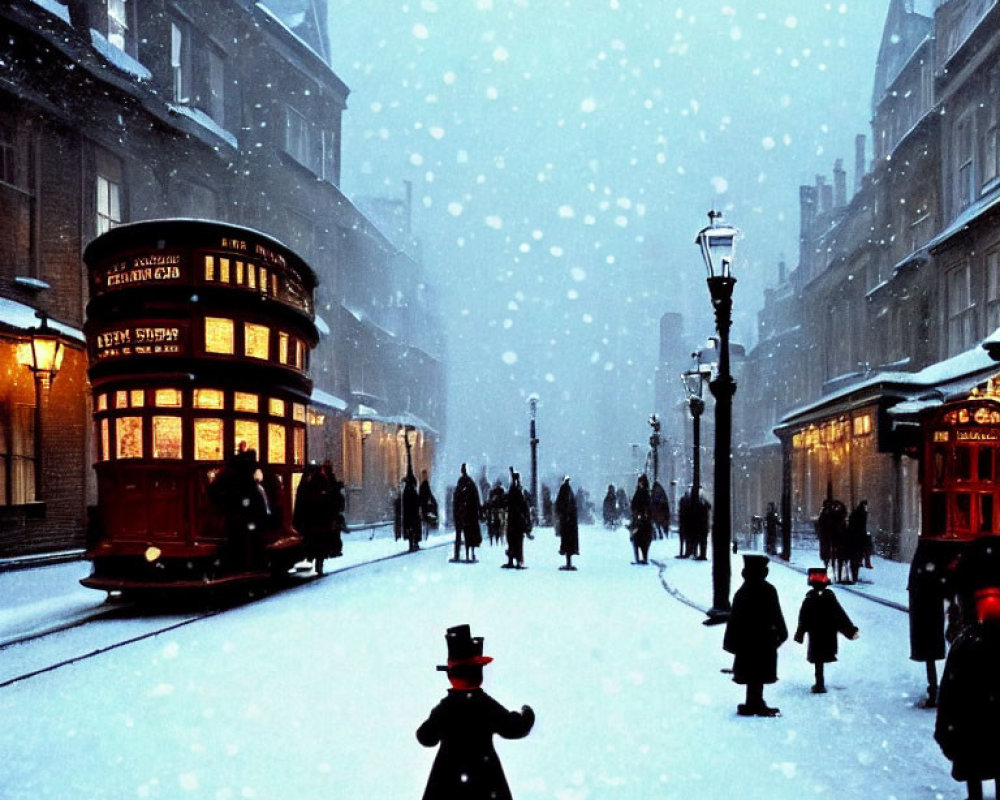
<point>199,116</point>
<point>118,58</point>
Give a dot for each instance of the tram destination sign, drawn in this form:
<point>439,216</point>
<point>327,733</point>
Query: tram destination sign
<point>140,340</point>
<point>140,269</point>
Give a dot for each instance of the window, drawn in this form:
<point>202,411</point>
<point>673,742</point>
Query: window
<point>118,23</point>
<point>275,443</point>
<point>219,334</point>
<point>960,310</point>
<point>17,460</point>
<point>180,62</point>
<point>243,401</point>
<point>208,398</point>
<point>993,290</point>
<point>256,340</point>
<point>208,439</point>
<point>167,437</point>
<point>991,155</point>
<point>7,156</point>
<point>247,434</point>
<point>300,141</point>
<point>965,162</point>
<point>214,102</point>
<point>128,436</point>
<point>168,398</point>
<point>109,204</point>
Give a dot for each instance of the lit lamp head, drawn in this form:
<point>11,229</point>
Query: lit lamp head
<point>43,353</point>
<point>718,244</point>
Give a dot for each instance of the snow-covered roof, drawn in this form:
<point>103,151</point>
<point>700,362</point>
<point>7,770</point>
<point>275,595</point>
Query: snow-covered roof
<point>22,317</point>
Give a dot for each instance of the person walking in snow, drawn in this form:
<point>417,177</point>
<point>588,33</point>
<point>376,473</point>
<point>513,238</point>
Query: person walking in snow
<point>641,529</point>
<point>822,618</point>
<point>857,539</point>
<point>428,504</point>
<point>410,511</point>
<point>754,632</point>
<point>771,523</point>
<point>610,508</point>
<point>518,522</point>
<point>567,528</point>
<point>464,722</point>
<point>466,511</point>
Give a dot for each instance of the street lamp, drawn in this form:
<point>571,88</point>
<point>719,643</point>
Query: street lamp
<point>43,355</point>
<point>717,242</point>
<point>654,445</point>
<point>533,411</point>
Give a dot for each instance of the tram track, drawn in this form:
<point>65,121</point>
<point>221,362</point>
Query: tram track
<point>122,611</point>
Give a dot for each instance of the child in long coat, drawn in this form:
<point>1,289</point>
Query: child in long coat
<point>467,766</point>
<point>822,617</point>
<point>754,632</point>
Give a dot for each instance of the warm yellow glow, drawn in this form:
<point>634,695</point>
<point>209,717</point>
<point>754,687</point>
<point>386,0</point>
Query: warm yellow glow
<point>247,432</point>
<point>167,437</point>
<point>276,443</point>
<point>299,445</point>
<point>252,276</point>
<point>121,399</point>
<point>283,347</point>
<point>366,427</point>
<point>298,412</point>
<point>209,268</point>
<point>276,407</point>
<point>263,279</point>
<point>256,340</point>
<point>208,398</point>
<point>128,437</point>
<point>239,273</point>
<point>243,401</point>
<point>24,355</point>
<point>208,439</point>
<point>219,335</point>
<point>137,398</point>
<point>105,453</point>
<point>152,553</point>
<point>102,402</point>
<point>316,418</point>
<point>224,270</point>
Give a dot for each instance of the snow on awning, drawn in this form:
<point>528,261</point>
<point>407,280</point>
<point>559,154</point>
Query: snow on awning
<point>22,317</point>
<point>327,400</point>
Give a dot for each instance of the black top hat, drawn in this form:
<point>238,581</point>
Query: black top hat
<point>463,648</point>
<point>754,564</point>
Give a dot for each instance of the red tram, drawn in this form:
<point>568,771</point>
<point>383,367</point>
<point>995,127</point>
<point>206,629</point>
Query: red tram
<point>198,337</point>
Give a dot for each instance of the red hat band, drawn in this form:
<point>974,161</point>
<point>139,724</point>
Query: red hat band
<point>988,604</point>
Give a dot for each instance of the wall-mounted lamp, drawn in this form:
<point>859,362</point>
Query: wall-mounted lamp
<point>43,353</point>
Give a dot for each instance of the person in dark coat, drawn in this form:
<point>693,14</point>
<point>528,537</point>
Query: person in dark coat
<point>660,507</point>
<point>822,618</point>
<point>547,518</point>
<point>496,513</point>
<point>567,528</point>
<point>754,632</point>
<point>857,539</point>
<point>969,700</point>
<point>771,523</point>
<point>610,508</point>
<point>518,523</point>
<point>642,520</point>
<point>701,510</point>
<point>314,516</point>
<point>236,493</point>
<point>410,511</point>
<point>463,723</point>
<point>466,510</point>
<point>428,504</point>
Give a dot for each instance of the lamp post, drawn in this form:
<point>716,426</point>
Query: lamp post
<point>717,242</point>
<point>43,355</point>
<point>533,411</point>
<point>694,380</point>
<point>654,445</point>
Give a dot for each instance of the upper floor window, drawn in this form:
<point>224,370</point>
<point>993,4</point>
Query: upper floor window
<point>965,188</point>
<point>299,140</point>
<point>960,309</point>
<point>118,23</point>
<point>993,290</point>
<point>7,153</point>
<point>109,204</point>
<point>180,62</point>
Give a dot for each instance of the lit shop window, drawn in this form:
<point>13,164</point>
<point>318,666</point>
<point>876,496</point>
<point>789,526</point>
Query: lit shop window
<point>168,398</point>
<point>167,437</point>
<point>276,407</point>
<point>298,412</point>
<point>208,439</point>
<point>283,347</point>
<point>275,443</point>
<point>105,440</point>
<point>128,436</point>
<point>299,445</point>
<point>219,335</point>
<point>208,398</point>
<point>247,433</point>
<point>246,402</point>
<point>256,340</point>
<point>102,402</point>
<point>863,425</point>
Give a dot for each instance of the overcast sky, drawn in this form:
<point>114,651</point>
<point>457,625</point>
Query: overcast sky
<point>563,155</point>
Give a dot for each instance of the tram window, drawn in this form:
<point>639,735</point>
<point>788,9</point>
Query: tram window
<point>207,439</point>
<point>299,445</point>
<point>137,398</point>
<point>274,284</point>
<point>128,437</point>
<point>300,354</point>
<point>102,402</point>
<point>986,513</point>
<point>283,347</point>
<point>247,431</point>
<point>239,273</point>
<point>219,335</point>
<point>252,275</point>
<point>276,407</point>
<point>167,437</point>
<point>208,398</point>
<point>244,401</point>
<point>256,340</point>
<point>121,399</point>
<point>985,472</point>
<point>939,513</point>
<point>963,507</point>
<point>939,462</point>
<point>209,268</point>
<point>275,443</point>
<point>298,412</point>
<point>168,398</point>
<point>963,463</point>
<point>105,440</point>
<point>224,270</point>
<point>263,279</point>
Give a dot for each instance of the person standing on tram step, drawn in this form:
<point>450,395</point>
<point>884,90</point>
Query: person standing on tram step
<point>313,517</point>
<point>641,527</point>
<point>466,510</point>
<point>567,527</point>
<point>410,510</point>
<point>236,493</point>
<point>822,618</point>
<point>464,723</point>
<point>428,505</point>
<point>969,697</point>
<point>754,632</point>
<point>518,523</point>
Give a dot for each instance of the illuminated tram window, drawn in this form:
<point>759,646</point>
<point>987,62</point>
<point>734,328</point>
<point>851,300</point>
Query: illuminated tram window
<point>247,433</point>
<point>299,445</point>
<point>207,439</point>
<point>128,437</point>
<point>263,279</point>
<point>300,354</point>
<point>208,398</point>
<point>137,398</point>
<point>274,284</point>
<point>251,275</point>
<point>167,437</point>
<point>121,399</point>
<point>298,412</point>
<point>209,268</point>
<point>224,270</point>
<point>283,347</point>
<point>105,440</point>
<point>256,340</point>
<point>168,398</point>
<point>276,407</point>
<point>219,335</point>
<point>244,401</point>
<point>102,402</point>
<point>239,273</point>
<point>275,443</point>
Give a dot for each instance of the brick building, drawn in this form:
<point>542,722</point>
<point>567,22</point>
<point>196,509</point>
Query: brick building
<point>113,111</point>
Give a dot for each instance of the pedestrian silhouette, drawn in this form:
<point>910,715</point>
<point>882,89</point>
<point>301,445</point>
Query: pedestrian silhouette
<point>567,527</point>
<point>464,722</point>
<point>466,511</point>
<point>641,529</point>
<point>822,618</point>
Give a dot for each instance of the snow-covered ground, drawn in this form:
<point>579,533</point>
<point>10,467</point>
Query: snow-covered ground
<point>317,692</point>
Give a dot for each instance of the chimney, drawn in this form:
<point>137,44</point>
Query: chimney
<point>825,194</point>
<point>782,272</point>
<point>839,184</point>
<point>859,161</point>
<point>807,219</point>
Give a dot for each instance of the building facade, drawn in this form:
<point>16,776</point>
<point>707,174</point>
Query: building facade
<point>113,111</point>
